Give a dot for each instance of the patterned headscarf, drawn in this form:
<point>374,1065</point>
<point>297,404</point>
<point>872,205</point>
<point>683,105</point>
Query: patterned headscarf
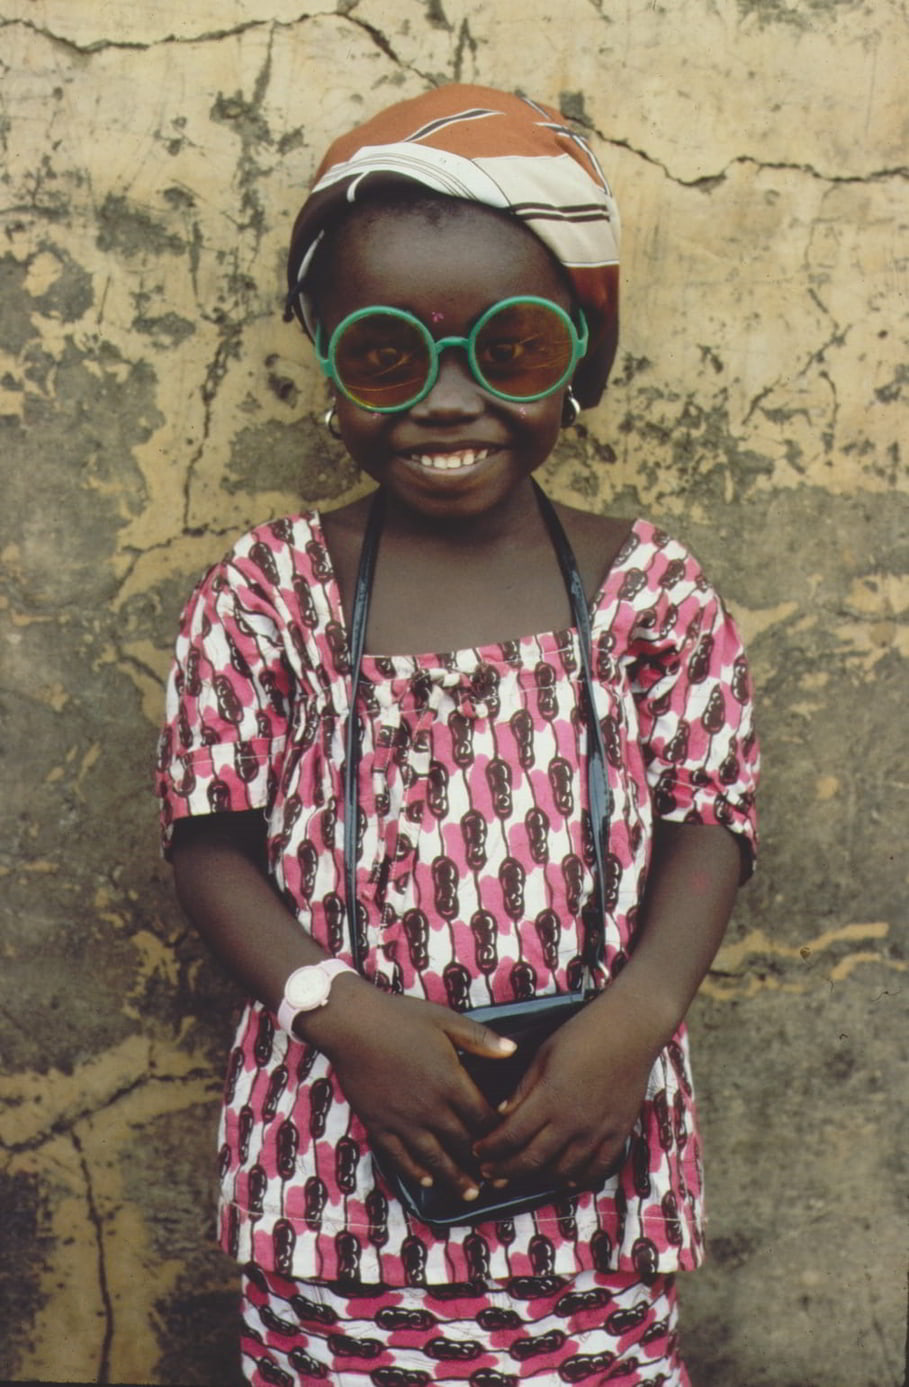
<point>486,146</point>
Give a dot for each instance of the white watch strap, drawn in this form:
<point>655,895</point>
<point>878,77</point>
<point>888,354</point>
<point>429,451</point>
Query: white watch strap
<point>329,968</point>
<point>286,1015</point>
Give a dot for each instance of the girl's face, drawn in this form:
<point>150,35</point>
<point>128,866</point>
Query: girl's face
<point>459,451</point>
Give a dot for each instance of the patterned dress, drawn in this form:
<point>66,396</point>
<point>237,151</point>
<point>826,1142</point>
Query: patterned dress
<point>474,867</point>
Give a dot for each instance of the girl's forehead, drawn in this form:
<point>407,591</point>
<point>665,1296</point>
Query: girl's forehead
<point>444,264</point>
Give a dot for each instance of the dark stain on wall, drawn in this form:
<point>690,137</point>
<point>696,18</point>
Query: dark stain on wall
<point>23,1248</point>
<point>299,456</point>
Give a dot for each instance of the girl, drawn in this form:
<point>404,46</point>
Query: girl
<point>455,265</point>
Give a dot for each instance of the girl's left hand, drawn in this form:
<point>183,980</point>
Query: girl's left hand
<point>572,1111</point>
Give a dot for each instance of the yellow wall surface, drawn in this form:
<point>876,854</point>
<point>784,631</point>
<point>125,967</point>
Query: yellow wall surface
<point>153,404</point>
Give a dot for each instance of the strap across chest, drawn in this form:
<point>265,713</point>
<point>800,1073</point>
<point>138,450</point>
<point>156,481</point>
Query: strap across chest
<point>599,798</point>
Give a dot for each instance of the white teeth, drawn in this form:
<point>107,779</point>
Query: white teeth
<point>451,462</point>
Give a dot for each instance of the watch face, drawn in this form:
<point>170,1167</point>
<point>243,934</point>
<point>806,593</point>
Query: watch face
<point>307,988</point>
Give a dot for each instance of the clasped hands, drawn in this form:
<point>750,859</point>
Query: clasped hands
<point>568,1119</point>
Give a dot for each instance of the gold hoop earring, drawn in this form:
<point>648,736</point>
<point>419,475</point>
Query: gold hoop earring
<point>570,409</point>
<point>330,420</point>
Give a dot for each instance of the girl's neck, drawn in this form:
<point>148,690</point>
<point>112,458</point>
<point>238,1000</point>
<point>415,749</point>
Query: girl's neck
<point>485,579</point>
<point>515,519</point>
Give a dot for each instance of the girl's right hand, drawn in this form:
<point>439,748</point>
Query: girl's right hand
<point>396,1060</point>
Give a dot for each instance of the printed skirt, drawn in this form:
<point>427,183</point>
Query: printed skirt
<point>592,1328</point>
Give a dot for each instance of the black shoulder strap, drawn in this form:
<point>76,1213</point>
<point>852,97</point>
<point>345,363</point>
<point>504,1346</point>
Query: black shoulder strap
<point>598,794</point>
<point>358,617</point>
<point>597,775</point>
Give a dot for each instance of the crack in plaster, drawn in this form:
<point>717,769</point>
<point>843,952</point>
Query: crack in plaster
<point>708,181</point>
<point>837,338</point>
<point>378,38</point>
<point>63,1126</point>
<point>217,35</point>
<point>466,40</point>
<point>704,182</point>
<point>384,44</point>
<point>252,128</point>
<point>124,658</point>
<point>134,554</point>
<point>100,45</point>
<point>95,1220</point>
<point>228,346</point>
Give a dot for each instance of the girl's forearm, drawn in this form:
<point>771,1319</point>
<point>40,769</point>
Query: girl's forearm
<point>691,888</point>
<point>219,869</point>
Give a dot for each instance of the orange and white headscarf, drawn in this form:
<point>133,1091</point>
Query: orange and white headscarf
<point>491,147</point>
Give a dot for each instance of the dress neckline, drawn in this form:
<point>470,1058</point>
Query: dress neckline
<point>492,652</point>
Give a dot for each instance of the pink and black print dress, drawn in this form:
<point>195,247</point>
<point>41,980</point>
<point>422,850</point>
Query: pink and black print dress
<point>472,870</point>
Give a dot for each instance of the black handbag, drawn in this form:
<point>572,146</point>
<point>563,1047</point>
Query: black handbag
<point>530,1022</point>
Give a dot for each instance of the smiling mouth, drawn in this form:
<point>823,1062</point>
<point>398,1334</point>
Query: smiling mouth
<point>451,462</point>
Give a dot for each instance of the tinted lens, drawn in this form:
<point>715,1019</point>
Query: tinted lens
<point>382,360</point>
<point>524,349</point>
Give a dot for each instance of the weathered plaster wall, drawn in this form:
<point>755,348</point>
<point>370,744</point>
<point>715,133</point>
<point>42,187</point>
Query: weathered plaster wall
<point>152,404</point>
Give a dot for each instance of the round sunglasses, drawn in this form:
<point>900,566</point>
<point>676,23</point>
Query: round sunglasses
<point>385,359</point>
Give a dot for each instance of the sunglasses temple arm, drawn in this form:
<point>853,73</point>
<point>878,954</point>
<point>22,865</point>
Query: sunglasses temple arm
<point>324,361</point>
<point>584,335</point>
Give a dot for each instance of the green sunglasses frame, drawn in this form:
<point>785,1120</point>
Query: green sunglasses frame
<point>434,346</point>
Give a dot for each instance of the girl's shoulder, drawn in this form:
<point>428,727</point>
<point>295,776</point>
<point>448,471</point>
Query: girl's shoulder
<point>597,541</point>
<point>274,553</point>
<point>652,587</point>
<point>608,548</point>
<point>267,569</point>
<point>286,532</point>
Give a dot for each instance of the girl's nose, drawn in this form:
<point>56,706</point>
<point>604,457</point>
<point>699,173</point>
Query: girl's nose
<point>455,394</point>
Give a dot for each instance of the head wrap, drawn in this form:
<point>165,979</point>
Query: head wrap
<point>486,146</point>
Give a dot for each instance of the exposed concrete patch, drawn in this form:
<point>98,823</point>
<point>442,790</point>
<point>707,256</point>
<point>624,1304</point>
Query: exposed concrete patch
<point>58,489</point>
<point>131,231</point>
<point>167,330</point>
<point>198,1333</point>
<point>297,457</point>
<point>778,12</point>
<point>797,1239</point>
<point>25,1244</point>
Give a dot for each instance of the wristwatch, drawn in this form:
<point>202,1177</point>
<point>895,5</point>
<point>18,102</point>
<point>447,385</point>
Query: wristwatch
<point>307,989</point>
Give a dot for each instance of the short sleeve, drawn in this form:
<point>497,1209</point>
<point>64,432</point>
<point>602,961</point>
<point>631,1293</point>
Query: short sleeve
<point>228,701</point>
<point>692,686</point>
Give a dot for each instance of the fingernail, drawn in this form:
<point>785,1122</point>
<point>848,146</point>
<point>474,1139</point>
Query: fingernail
<point>499,1184</point>
<point>486,1172</point>
<point>506,1045</point>
<point>503,1106</point>
<point>426,1182</point>
<point>470,1193</point>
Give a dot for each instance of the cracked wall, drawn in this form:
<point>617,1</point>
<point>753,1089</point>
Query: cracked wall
<point>152,404</point>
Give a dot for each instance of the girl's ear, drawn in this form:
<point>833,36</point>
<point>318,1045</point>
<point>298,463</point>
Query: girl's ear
<point>570,409</point>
